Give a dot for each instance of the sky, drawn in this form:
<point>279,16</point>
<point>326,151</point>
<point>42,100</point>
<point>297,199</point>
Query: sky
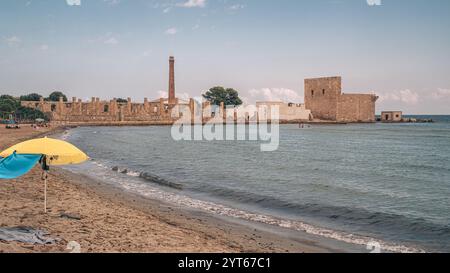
<point>398,49</point>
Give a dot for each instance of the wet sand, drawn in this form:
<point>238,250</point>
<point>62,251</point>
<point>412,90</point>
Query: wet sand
<point>102,218</point>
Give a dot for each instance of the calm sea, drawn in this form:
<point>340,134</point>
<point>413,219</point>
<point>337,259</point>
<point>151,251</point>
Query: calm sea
<point>354,183</point>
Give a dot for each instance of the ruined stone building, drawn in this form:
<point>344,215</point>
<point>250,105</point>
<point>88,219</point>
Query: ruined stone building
<point>96,111</point>
<point>324,101</point>
<point>161,111</point>
<point>324,97</point>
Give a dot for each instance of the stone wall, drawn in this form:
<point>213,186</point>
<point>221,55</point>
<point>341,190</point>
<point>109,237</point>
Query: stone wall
<point>323,96</point>
<point>96,111</point>
<point>356,108</point>
<point>287,111</point>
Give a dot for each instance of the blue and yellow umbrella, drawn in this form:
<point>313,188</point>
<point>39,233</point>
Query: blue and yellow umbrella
<point>21,158</point>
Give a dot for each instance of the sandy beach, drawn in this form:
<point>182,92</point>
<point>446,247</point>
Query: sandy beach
<point>104,219</point>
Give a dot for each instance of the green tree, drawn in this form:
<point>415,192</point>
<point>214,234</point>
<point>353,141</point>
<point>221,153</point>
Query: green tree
<point>10,105</point>
<point>25,113</point>
<point>56,95</point>
<point>120,100</point>
<point>7,97</point>
<point>6,107</point>
<point>31,97</point>
<point>219,94</point>
<point>12,102</point>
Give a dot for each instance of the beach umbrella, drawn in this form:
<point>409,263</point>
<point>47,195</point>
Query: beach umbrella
<point>54,152</point>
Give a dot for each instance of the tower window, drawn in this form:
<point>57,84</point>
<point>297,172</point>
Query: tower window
<point>106,108</point>
<point>323,91</point>
<point>312,93</point>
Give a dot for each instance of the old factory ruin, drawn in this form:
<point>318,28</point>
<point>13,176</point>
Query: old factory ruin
<point>324,102</point>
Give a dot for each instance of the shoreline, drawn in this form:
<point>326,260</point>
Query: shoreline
<point>111,220</point>
<point>240,235</point>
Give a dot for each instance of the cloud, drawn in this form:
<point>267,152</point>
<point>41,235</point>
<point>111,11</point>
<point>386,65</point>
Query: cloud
<point>111,41</point>
<point>193,4</point>
<point>236,7</point>
<point>13,41</point>
<point>167,7</point>
<point>43,47</point>
<point>374,2</point>
<point>406,96</point>
<point>171,31</point>
<point>112,2</point>
<point>73,2</point>
<point>273,94</point>
<point>441,94</point>
<point>108,38</point>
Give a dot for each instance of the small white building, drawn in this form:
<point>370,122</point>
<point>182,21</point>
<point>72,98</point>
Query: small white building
<point>391,116</point>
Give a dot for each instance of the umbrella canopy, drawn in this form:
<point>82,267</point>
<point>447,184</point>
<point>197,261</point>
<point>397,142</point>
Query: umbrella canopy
<point>57,152</point>
<point>16,165</point>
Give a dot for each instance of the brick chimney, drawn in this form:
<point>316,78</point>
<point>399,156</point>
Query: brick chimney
<point>172,98</point>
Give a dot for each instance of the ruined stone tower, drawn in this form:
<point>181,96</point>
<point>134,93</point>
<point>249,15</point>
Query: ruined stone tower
<point>324,97</point>
<point>321,96</point>
<point>172,98</point>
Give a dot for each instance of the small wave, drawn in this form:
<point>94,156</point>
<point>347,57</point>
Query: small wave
<point>125,171</point>
<point>219,209</point>
<point>160,181</point>
<point>271,220</point>
<point>133,174</point>
<point>147,177</point>
<point>66,134</point>
<point>381,223</point>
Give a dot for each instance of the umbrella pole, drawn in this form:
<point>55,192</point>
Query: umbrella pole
<point>44,175</point>
<point>45,194</point>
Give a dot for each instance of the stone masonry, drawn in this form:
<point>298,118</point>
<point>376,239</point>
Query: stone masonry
<point>324,97</point>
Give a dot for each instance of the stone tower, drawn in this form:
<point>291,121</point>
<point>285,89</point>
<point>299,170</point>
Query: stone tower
<point>322,95</point>
<point>172,98</point>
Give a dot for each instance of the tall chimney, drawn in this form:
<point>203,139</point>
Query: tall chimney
<point>172,99</point>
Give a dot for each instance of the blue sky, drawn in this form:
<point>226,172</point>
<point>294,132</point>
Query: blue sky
<point>399,49</point>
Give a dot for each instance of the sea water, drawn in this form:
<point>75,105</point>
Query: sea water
<point>355,183</point>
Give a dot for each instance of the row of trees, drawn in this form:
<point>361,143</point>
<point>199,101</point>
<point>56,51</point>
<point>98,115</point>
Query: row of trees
<point>11,106</point>
<point>36,97</point>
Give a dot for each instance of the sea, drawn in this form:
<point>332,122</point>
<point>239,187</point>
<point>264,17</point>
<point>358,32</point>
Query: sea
<point>362,184</point>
